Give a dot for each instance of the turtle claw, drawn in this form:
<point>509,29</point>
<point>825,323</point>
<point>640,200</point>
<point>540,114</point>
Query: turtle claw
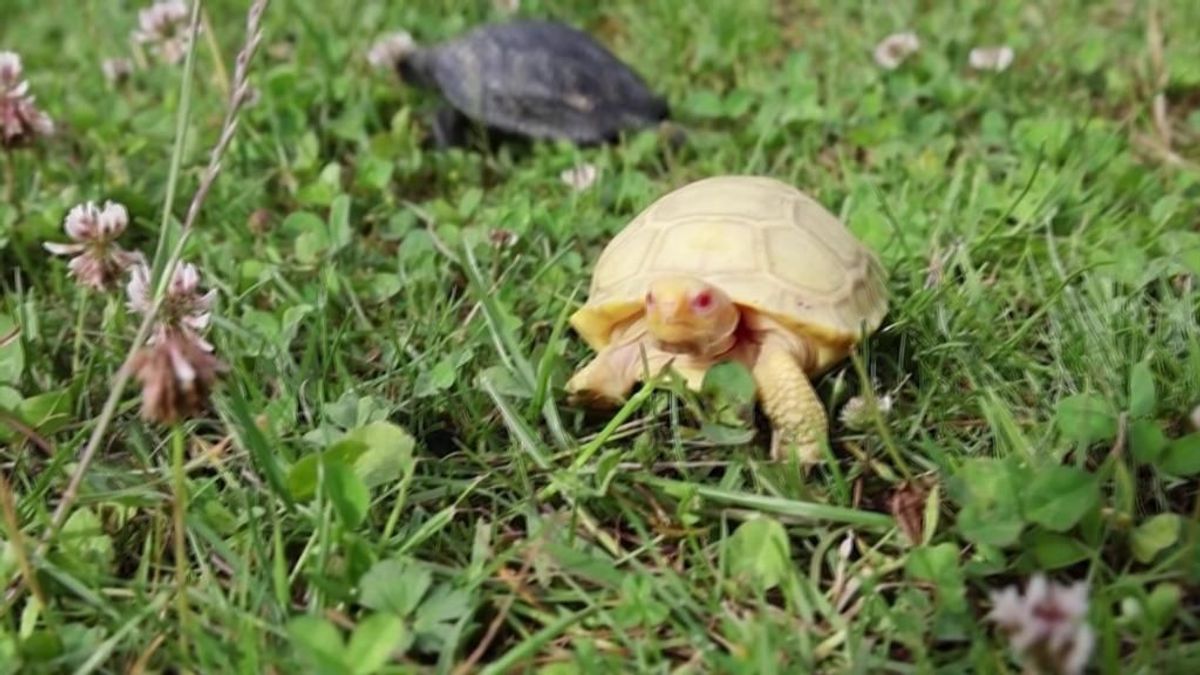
<point>785,446</point>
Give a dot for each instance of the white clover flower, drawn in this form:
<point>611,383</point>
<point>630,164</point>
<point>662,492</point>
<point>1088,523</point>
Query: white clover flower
<point>20,119</point>
<point>164,26</point>
<point>580,177</point>
<point>856,413</point>
<point>98,260</point>
<point>388,50</point>
<point>183,308</point>
<point>116,70</point>
<point>501,238</point>
<point>1047,625</point>
<point>176,368</point>
<point>996,59</point>
<point>894,49</point>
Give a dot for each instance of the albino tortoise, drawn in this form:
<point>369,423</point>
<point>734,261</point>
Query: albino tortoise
<point>745,268</point>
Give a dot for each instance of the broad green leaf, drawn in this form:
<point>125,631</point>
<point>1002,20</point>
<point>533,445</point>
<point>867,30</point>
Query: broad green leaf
<point>991,513</point>
<point>437,379</point>
<point>445,603</point>
<point>293,317</point>
<point>320,643</point>
<point>939,565</point>
<point>729,389</point>
<point>42,646</point>
<point>373,642</point>
<point>311,246</point>
<point>1154,536</point>
<point>346,490</point>
<point>1086,418</point>
<point>10,400</point>
<point>503,380</point>
<point>638,606</point>
<point>383,286</point>
<point>299,222</point>
<point>388,455</point>
<point>48,412</point>
<point>730,381</point>
<point>394,586</point>
<point>1163,603</point>
<point>1142,395</point>
<point>759,552</point>
<point>1182,456</point>
<point>340,232</point>
<point>302,477</point>
<point>1052,550</point>
<point>436,617</point>
<point>1124,490</point>
<point>703,103</point>
<point>1146,441</point>
<point>374,172</point>
<point>719,434</point>
<point>85,546</point>
<point>12,352</point>
<point>1059,496</point>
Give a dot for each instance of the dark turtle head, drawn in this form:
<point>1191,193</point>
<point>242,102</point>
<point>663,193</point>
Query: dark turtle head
<point>400,52</point>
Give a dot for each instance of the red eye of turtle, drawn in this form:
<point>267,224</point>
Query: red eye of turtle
<point>703,301</point>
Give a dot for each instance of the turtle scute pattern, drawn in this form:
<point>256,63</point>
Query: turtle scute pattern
<point>767,244</point>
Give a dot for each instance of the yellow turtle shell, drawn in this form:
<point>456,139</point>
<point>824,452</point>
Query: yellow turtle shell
<point>769,246</point>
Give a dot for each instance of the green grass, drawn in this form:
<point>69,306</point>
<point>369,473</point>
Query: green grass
<point>1042,345</point>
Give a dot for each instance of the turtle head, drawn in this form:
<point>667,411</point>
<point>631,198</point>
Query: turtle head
<point>397,51</point>
<point>689,315</point>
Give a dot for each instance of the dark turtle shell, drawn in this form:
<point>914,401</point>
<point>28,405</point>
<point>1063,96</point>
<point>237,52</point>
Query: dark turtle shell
<point>540,79</point>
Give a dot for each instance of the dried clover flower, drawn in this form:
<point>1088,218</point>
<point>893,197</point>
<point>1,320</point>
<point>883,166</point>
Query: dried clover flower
<point>857,414</point>
<point>176,368</point>
<point>117,70</point>
<point>894,49</point>
<point>1047,625</point>
<point>98,260</point>
<point>580,177</point>
<point>390,49</point>
<point>164,26</point>
<point>20,119</point>
<point>502,238</point>
<point>177,372</point>
<point>997,59</point>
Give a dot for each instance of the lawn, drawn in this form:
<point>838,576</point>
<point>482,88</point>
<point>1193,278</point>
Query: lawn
<point>387,477</point>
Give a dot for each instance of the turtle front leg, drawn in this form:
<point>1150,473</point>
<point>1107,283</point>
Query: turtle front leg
<point>606,380</point>
<point>790,402</point>
<point>448,128</point>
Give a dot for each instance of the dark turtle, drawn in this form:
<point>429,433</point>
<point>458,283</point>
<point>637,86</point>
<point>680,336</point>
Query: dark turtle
<point>534,79</point>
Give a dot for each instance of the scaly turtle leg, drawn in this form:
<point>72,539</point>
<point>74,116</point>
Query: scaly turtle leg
<point>448,128</point>
<point>608,378</point>
<point>791,403</point>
